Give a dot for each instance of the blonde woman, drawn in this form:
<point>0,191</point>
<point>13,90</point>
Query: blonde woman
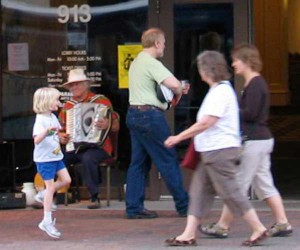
<point>47,153</point>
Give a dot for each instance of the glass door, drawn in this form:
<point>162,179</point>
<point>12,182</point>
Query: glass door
<point>191,27</point>
<point>42,41</point>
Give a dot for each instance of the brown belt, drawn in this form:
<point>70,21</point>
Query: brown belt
<point>145,107</point>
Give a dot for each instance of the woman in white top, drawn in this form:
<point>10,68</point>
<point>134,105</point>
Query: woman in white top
<point>216,136</point>
<point>255,169</point>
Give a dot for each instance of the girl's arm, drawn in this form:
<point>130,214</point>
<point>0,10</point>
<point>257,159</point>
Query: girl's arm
<point>49,131</point>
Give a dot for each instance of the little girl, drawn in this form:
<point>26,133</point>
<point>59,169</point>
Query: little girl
<point>47,153</point>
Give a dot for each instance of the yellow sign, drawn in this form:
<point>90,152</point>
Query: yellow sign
<point>126,54</point>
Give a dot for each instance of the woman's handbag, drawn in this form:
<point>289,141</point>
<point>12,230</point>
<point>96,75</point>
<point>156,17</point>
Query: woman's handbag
<point>191,157</point>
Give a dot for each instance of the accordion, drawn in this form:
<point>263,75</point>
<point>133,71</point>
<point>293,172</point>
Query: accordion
<point>80,125</point>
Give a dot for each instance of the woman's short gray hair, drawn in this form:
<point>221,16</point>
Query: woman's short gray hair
<point>214,65</point>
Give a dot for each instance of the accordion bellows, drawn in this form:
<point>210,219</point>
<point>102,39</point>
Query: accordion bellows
<point>80,124</point>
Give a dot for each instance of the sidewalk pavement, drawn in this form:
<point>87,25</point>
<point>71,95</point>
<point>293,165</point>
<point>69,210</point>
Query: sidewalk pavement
<point>107,228</point>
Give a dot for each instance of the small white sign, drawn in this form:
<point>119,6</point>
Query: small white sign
<point>18,59</point>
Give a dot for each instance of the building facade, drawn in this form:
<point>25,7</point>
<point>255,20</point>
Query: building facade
<point>43,39</point>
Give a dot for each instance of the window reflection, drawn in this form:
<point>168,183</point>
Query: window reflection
<point>198,27</point>
<point>36,24</point>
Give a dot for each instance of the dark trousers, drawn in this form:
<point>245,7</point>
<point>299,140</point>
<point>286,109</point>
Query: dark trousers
<point>148,130</point>
<point>90,160</point>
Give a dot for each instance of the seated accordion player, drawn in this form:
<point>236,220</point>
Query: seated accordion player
<point>80,125</point>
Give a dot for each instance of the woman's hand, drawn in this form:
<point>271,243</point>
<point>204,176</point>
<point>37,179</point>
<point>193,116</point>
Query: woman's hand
<point>171,141</point>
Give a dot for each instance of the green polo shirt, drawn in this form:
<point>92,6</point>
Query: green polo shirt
<point>144,73</point>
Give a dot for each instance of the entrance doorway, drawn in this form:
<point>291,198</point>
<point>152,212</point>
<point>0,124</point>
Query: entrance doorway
<point>191,27</point>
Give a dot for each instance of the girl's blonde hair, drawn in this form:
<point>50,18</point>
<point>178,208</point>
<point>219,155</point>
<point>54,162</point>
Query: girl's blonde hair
<point>43,98</point>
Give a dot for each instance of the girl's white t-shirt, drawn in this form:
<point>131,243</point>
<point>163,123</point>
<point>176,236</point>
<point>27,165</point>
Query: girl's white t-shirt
<point>48,149</point>
<point>220,101</point>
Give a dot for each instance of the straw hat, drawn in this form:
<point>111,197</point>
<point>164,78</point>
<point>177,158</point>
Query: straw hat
<point>76,75</point>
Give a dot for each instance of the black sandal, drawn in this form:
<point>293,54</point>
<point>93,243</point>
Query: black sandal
<point>182,243</point>
<point>250,243</point>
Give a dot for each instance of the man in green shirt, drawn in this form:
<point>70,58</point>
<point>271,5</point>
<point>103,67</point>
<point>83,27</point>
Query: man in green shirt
<point>149,128</point>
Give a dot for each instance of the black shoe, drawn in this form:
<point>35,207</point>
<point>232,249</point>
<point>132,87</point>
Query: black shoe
<point>182,214</point>
<point>94,204</point>
<point>145,214</point>
<point>149,211</point>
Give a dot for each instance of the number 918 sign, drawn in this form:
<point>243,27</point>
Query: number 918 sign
<point>78,14</point>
